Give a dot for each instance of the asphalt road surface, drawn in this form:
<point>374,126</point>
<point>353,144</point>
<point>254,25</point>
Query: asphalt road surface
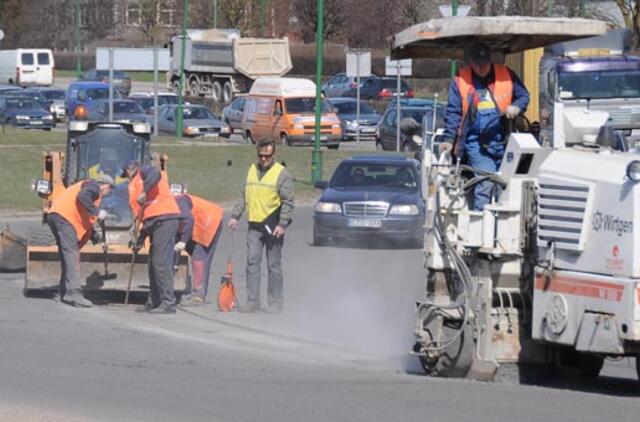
<point>338,352</point>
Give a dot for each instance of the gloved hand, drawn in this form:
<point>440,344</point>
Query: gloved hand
<point>179,246</point>
<point>512,112</point>
<point>142,198</point>
<point>102,215</point>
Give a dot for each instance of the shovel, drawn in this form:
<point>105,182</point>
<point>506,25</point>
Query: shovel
<point>105,253</point>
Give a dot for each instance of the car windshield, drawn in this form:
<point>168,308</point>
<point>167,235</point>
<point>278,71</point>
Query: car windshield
<point>166,99</point>
<point>375,175</point>
<point>126,107</point>
<point>194,113</point>
<point>392,83</point>
<point>350,107</point>
<point>416,115</point>
<point>23,104</point>
<point>599,84</point>
<point>105,74</point>
<point>98,93</point>
<point>54,94</point>
<point>305,105</point>
<point>146,103</point>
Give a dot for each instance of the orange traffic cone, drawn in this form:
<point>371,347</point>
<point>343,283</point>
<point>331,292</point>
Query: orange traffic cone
<point>227,293</point>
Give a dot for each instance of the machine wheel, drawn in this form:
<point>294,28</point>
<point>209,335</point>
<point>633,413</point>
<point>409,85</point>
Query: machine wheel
<point>216,92</point>
<point>284,139</point>
<point>456,357</point>
<point>589,365</point>
<point>227,92</point>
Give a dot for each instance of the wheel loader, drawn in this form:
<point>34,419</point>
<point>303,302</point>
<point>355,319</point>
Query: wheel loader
<point>547,275</point>
<point>93,149</point>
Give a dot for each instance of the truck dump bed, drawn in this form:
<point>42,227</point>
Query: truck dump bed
<point>447,37</point>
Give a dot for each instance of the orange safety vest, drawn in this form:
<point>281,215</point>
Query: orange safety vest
<point>207,217</point>
<point>501,89</point>
<point>66,205</point>
<point>160,201</point>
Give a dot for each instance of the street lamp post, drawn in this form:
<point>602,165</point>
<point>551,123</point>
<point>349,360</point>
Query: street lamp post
<point>77,36</point>
<point>316,154</point>
<point>215,13</point>
<point>454,12</point>
<point>183,42</point>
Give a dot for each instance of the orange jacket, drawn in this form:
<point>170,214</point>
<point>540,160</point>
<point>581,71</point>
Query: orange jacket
<point>502,89</point>
<point>159,201</point>
<point>207,217</point>
<point>66,205</point>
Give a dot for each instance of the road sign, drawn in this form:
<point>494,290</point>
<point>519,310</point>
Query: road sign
<point>358,64</point>
<point>133,59</point>
<point>391,67</point>
<point>447,10</point>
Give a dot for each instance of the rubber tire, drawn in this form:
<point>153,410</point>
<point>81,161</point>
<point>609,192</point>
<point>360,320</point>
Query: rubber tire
<point>319,240</point>
<point>249,138</point>
<point>335,147</point>
<point>456,359</point>
<point>216,92</point>
<point>284,139</point>
<point>589,365</point>
<point>194,87</point>
<point>227,93</point>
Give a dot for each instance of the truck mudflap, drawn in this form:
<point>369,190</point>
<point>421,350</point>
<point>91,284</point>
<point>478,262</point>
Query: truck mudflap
<point>43,269</point>
<point>593,313</point>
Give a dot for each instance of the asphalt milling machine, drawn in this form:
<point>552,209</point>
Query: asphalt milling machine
<point>94,148</point>
<point>547,275</point>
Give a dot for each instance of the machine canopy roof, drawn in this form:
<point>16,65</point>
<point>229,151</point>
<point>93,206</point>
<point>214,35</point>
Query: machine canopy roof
<point>447,38</point>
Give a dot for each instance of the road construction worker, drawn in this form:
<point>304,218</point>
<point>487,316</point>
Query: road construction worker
<point>268,200</point>
<point>109,163</point>
<point>71,218</point>
<point>198,234</point>
<point>156,209</point>
<point>480,96</point>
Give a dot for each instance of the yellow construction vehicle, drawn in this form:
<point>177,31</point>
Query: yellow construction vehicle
<point>94,149</point>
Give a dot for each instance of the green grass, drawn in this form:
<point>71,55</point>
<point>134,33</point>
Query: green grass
<point>201,166</point>
<point>135,76</point>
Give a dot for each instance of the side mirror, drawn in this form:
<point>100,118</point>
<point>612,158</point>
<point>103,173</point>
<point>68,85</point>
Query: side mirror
<point>321,184</point>
<point>42,187</point>
<point>178,188</point>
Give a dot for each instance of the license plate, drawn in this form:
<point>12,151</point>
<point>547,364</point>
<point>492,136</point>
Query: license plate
<point>374,223</point>
<point>35,122</point>
<point>210,135</point>
<point>367,129</point>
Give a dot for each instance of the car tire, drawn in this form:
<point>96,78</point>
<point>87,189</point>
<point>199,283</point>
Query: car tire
<point>284,139</point>
<point>229,124</point>
<point>319,240</point>
<point>227,93</point>
<point>216,92</point>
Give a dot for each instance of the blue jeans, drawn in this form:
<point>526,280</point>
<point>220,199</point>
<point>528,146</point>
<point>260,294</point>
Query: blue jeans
<point>479,158</point>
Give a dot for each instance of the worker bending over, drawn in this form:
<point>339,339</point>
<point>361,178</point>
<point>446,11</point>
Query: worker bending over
<point>71,218</point>
<point>480,96</point>
<point>156,209</point>
<point>198,234</point>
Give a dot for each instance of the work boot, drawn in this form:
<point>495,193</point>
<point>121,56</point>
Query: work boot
<point>76,300</point>
<point>275,308</point>
<point>163,309</point>
<point>193,300</point>
<point>249,308</point>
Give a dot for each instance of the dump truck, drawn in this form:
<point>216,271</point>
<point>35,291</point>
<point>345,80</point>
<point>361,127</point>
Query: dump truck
<point>109,146</point>
<point>547,274</point>
<point>222,64</point>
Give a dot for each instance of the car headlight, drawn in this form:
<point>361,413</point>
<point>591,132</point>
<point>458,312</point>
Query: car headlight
<point>48,117</point>
<point>404,210</point>
<point>633,171</point>
<point>191,130</point>
<point>328,207</point>
<point>298,126</point>
<point>351,124</point>
<point>22,117</point>
<point>224,129</point>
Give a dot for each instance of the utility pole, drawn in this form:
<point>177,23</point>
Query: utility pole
<point>582,9</point>
<point>183,42</point>
<point>215,13</point>
<point>549,8</point>
<point>454,12</point>
<point>77,33</point>
<point>316,154</point>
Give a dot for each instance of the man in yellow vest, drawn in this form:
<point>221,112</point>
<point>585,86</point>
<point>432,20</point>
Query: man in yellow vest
<point>71,218</point>
<point>480,96</point>
<point>268,200</point>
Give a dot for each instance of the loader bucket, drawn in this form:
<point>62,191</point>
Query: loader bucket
<point>13,251</point>
<point>43,269</point>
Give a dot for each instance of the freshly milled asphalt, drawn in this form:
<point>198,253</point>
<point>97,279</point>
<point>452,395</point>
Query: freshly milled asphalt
<point>337,353</point>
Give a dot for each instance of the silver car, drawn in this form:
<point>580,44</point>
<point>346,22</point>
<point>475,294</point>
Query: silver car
<point>198,121</point>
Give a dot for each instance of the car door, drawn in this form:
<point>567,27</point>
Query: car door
<point>166,120</point>
<point>388,131</point>
<point>44,68</point>
<point>367,88</point>
<point>27,68</point>
<point>235,114</point>
<point>331,88</point>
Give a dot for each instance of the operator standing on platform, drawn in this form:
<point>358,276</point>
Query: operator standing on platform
<point>268,199</point>
<point>479,96</point>
<point>154,206</point>
<point>198,234</point>
<point>71,219</point>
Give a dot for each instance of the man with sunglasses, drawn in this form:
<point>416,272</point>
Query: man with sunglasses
<point>268,200</point>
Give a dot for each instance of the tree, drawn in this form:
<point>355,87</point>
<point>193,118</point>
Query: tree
<point>306,12</point>
<point>631,14</point>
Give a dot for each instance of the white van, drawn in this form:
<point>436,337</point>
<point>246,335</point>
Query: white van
<point>26,67</point>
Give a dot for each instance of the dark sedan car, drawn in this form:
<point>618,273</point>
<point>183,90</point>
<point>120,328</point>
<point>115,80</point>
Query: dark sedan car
<point>373,198</point>
<point>377,88</point>
<point>26,113</point>
<point>387,132</point>
<point>121,82</point>
<point>124,111</point>
<point>346,108</point>
<point>198,121</point>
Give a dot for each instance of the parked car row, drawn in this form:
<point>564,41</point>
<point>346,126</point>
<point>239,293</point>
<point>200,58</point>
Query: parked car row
<point>371,87</point>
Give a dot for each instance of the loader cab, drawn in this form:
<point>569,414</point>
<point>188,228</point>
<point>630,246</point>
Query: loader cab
<point>94,149</point>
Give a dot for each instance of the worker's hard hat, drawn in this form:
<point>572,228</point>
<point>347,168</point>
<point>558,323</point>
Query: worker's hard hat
<point>105,179</point>
<point>480,53</point>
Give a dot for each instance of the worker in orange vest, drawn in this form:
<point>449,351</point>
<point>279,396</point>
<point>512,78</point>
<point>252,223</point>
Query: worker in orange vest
<point>71,218</point>
<point>481,96</point>
<point>198,234</point>
<point>156,209</point>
